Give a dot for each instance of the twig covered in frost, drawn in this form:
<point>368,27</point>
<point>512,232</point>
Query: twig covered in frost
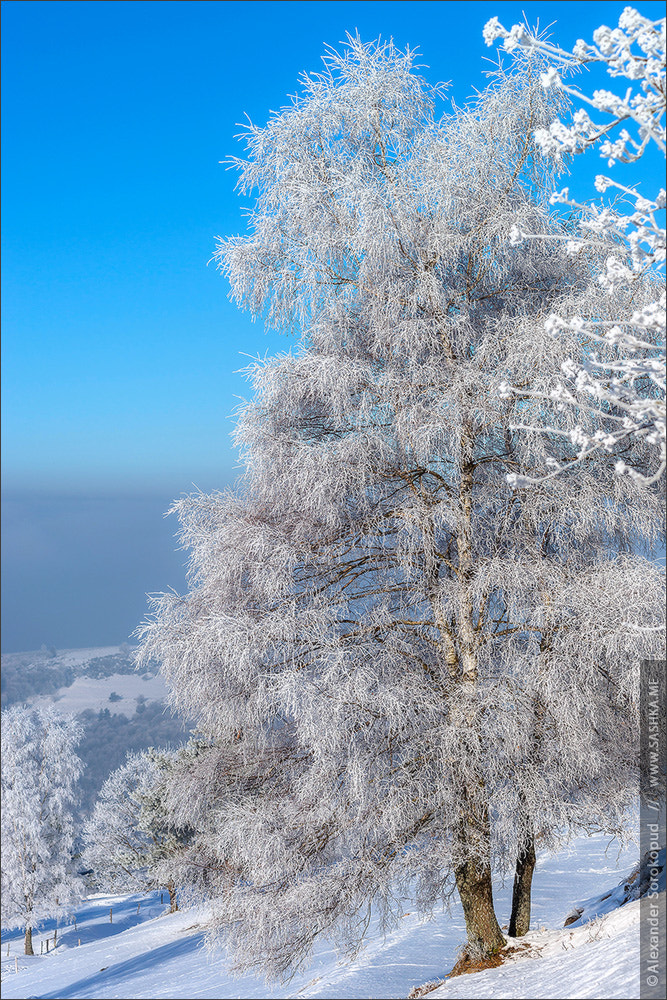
<point>628,387</point>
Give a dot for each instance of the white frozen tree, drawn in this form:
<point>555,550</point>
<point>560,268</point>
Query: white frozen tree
<point>626,387</point>
<point>403,662</point>
<point>199,777</point>
<point>40,770</point>
<point>129,841</point>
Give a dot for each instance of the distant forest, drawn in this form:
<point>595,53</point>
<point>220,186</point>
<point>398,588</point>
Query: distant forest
<point>108,735</point>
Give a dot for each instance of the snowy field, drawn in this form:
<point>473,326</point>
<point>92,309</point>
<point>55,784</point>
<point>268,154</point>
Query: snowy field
<point>94,693</point>
<point>78,657</point>
<point>148,953</point>
<point>63,657</point>
<point>86,691</point>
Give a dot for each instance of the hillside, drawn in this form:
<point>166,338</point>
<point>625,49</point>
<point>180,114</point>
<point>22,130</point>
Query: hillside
<point>147,953</point>
<point>120,708</point>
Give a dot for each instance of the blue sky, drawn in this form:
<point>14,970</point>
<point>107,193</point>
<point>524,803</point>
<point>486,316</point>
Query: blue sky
<point>119,344</point>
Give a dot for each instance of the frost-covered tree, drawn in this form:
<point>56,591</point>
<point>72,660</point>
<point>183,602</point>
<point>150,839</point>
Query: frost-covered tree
<point>627,386</point>
<point>40,770</point>
<point>129,840</point>
<point>200,776</point>
<point>404,663</point>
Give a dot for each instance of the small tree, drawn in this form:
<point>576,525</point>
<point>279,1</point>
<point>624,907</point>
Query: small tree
<point>129,841</point>
<point>627,387</point>
<point>391,646</point>
<point>201,778</point>
<point>39,774</point>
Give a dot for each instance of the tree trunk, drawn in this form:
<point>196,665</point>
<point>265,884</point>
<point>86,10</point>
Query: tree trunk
<point>172,898</point>
<point>523,880</point>
<point>27,949</point>
<point>473,876</point>
<point>525,858</point>
<point>473,871</point>
<point>473,881</point>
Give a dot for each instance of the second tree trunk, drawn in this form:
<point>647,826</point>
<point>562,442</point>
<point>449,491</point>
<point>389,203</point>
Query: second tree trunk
<point>523,880</point>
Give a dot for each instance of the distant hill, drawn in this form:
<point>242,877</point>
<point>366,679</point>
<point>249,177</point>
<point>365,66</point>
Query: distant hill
<point>120,708</point>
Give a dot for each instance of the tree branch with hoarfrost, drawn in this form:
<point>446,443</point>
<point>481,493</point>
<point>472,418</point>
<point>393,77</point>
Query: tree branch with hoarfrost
<point>623,376</point>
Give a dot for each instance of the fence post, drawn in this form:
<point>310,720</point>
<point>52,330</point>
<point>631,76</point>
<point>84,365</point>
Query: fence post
<point>111,914</point>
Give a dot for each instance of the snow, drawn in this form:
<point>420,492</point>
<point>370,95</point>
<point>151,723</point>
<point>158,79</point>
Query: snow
<point>600,959</point>
<point>152,954</point>
<point>65,657</point>
<point>93,693</point>
<point>90,692</point>
<point>76,657</point>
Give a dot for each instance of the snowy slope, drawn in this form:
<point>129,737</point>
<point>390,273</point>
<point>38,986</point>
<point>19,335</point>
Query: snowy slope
<point>120,708</point>
<point>79,679</point>
<point>118,692</point>
<point>600,959</point>
<point>155,954</point>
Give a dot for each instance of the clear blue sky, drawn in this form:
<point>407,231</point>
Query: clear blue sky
<point>119,344</point>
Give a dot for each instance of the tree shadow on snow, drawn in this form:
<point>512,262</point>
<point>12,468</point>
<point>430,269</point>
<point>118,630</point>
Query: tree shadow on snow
<point>112,977</point>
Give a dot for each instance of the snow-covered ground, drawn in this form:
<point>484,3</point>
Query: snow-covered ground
<point>63,657</point>
<point>88,687</point>
<point>600,959</point>
<point>151,953</point>
<point>95,692</point>
<point>78,657</point>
